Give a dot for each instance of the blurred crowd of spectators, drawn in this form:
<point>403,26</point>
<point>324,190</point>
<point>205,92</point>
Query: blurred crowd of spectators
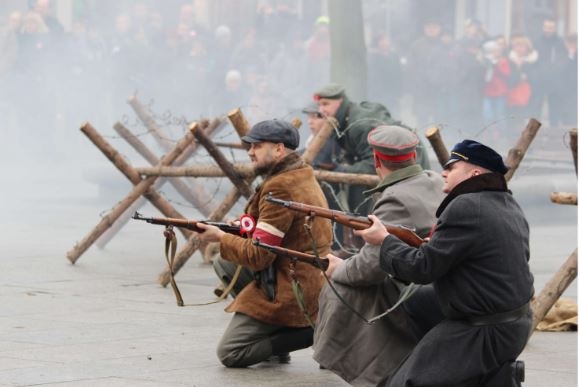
<point>274,68</point>
<point>481,80</point>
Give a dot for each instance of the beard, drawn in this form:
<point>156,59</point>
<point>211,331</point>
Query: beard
<point>263,169</point>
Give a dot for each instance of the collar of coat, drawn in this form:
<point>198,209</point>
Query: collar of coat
<point>395,177</point>
<point>342,115</point>
<point>485,182</point>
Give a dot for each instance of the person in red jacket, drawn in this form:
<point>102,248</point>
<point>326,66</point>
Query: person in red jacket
<point>496,87</point>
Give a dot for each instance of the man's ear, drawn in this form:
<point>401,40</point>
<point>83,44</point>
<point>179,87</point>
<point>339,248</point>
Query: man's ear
<point>280,149</point>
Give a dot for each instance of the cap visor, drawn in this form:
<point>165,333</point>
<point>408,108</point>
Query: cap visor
<point>451,161</point>
<point>250,140</point>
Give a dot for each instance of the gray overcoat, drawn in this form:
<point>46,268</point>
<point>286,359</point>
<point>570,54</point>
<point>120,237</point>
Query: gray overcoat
<point>360,353</point>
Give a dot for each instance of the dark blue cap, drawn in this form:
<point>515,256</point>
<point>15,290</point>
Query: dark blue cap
<point>276,131</point>
<point>478,154</point>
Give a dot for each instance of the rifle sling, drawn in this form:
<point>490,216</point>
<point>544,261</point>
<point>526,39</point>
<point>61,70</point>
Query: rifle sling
<point>404,293</point>
<point>171,245</point>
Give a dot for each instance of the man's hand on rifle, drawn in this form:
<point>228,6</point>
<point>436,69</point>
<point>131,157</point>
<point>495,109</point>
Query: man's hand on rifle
<point>374,234</point>
<point>211,233</point>
<point>334,263</point>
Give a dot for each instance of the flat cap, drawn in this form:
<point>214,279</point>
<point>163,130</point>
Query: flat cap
<point>311,108</point>
<point>276,131</point>
<point>393,143</point>
<point>330,91</point>
<point>478,154</point>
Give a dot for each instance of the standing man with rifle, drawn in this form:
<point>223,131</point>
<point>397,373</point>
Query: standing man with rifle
<point>268,320</point>
<point>359,352</point>
<point>477,260</point>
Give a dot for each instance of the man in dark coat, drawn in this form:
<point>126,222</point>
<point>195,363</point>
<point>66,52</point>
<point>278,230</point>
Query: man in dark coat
<point>477,260</point>
<point>268,319</point>
<point>366,354</point>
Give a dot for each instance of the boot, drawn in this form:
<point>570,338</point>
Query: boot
<point>290,340</point>
<point>518,371</point>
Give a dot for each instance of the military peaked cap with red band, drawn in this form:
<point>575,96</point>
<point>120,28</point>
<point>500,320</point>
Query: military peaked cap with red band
<point>393,143</point>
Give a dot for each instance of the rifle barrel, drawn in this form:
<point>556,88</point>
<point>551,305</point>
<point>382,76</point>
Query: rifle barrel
<point>188,223</point>
<point>320,263</point>
<point>354,221</point>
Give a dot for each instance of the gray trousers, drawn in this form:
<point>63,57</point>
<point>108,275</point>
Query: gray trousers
<point>246,341</point>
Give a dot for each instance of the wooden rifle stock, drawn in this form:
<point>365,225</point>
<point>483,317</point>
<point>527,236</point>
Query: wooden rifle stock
<point>189,224</point>
<point>356,222</point>
<point>320,263</point>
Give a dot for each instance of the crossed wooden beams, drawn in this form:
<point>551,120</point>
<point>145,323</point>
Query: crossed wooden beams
<point>171,165</point>
<point>143,187</point>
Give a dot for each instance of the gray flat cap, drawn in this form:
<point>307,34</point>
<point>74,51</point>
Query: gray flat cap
<point>330,91</point>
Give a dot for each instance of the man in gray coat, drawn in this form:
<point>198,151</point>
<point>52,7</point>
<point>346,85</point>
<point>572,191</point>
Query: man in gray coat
<point>362,353</point>
<point>477,260</point>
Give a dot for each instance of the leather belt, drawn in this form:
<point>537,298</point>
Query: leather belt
<point>498,318</point>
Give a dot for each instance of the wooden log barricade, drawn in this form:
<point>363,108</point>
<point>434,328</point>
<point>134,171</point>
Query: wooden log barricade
<point>165,143</point>
<point>142,187</point>
<point>567,273</point>
<point>180,186</point>
<point>191,194</point>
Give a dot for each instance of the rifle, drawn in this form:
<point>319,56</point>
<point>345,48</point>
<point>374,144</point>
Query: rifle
<point>189,224</point>
<point>320,263</point>
<point>354,221</point>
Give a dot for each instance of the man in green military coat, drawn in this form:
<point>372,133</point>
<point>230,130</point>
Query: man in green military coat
<point>354,122</point>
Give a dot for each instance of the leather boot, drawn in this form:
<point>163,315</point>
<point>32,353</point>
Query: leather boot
<point>291,340</point>
<point>518,371</point>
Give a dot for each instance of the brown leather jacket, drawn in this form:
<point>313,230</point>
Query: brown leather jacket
<point>293,180</point>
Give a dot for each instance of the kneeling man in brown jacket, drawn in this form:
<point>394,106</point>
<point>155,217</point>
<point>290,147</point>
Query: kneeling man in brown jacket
<point>267,319</point>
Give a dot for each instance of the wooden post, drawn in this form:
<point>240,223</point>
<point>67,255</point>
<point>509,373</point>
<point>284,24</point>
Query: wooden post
<point>143,187</point>
<point>222,161</point>
<point>554,289</point>
<point>435,138</point>
<point>348,178</point>
<point>516,154</point>
<point>246,171</point>
<point>319,140</point>
<point>233,145</point>
<point>564,198</point>
<point>239,122</point>
<point>192,195</point>
<point>573,146</point>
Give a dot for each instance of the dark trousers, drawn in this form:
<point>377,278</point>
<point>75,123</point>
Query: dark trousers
<point>248,341</point>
